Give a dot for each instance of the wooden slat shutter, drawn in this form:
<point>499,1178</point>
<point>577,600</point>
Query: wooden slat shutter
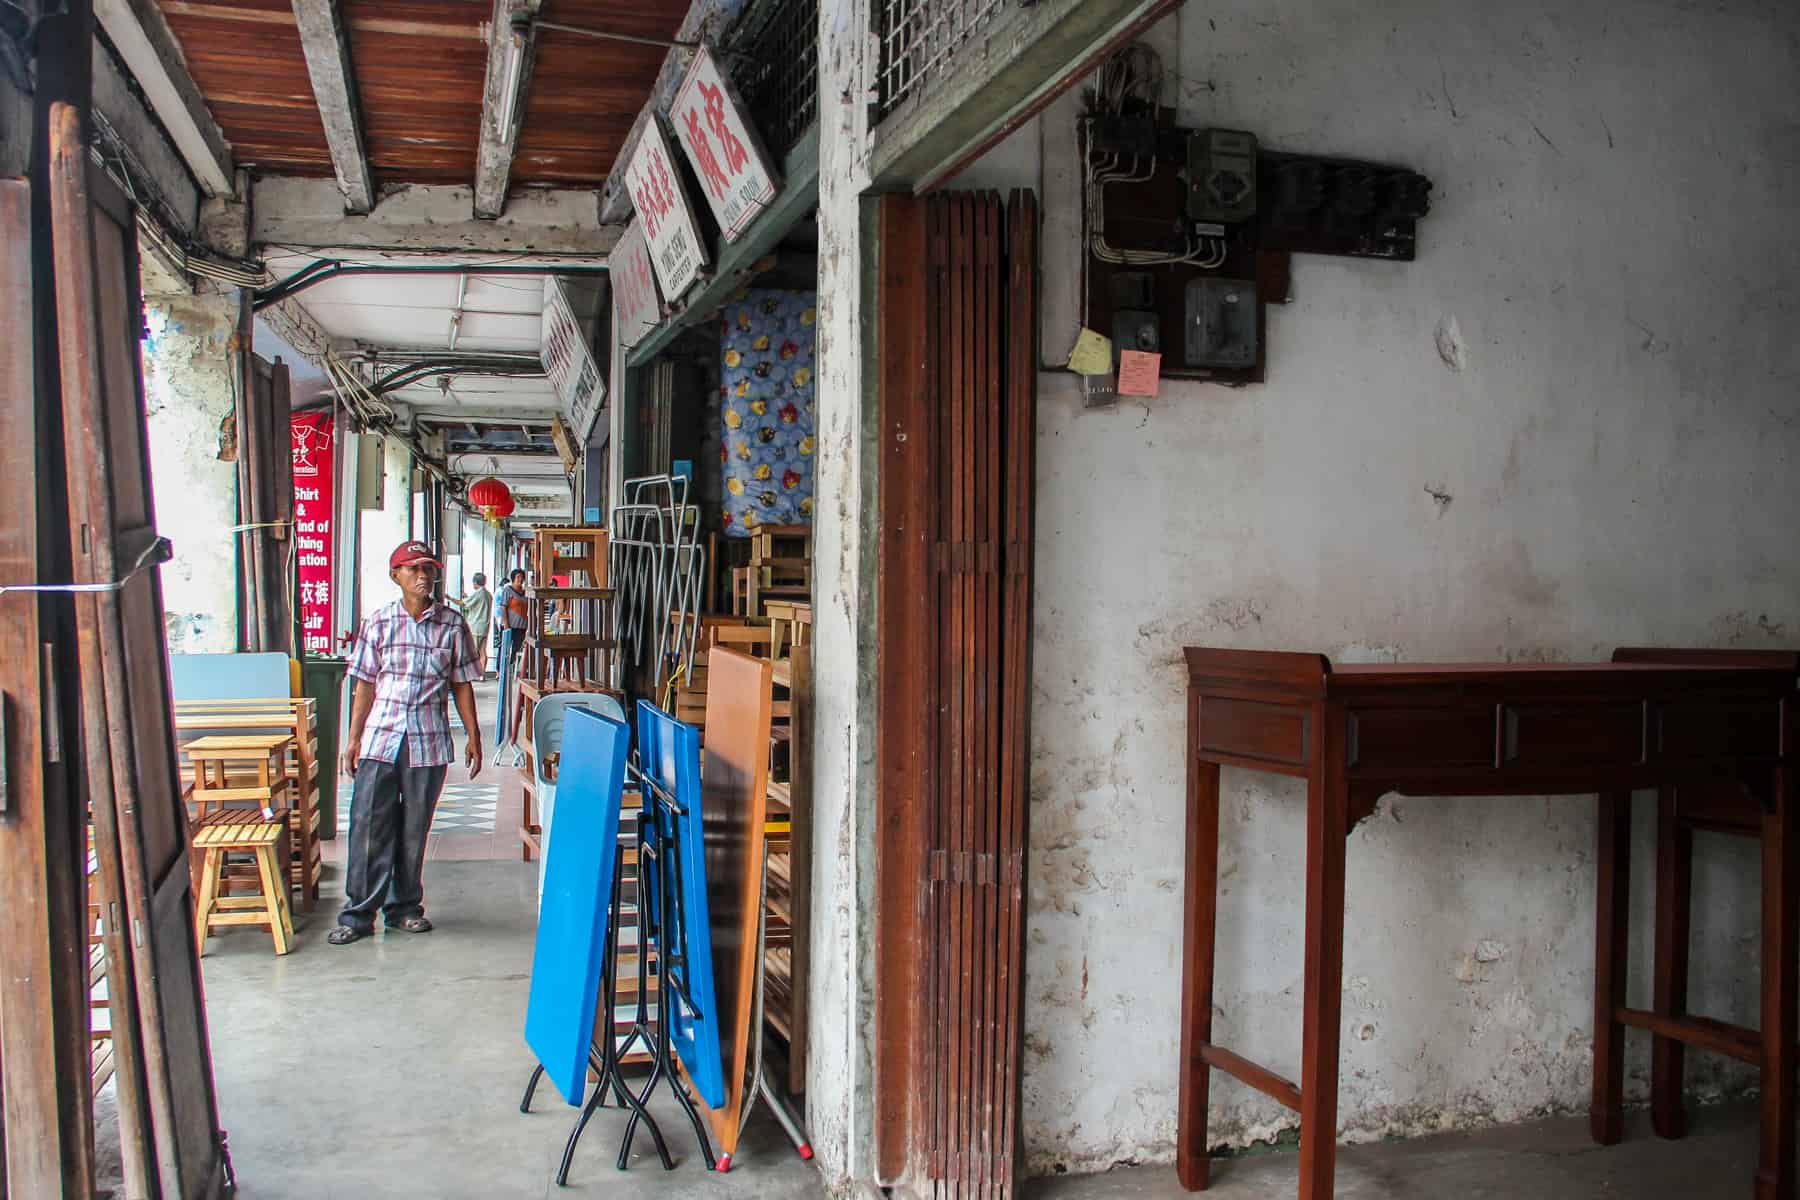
<point>140,819</point>
<point>265,470</point>
<point>958,414</point>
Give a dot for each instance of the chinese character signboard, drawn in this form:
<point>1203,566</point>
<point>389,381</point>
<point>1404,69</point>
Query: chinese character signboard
<point>568,361</point>
<point>314,497</point>
<point>728,157</point>
<point>660,198</point>
<point>633,286</point>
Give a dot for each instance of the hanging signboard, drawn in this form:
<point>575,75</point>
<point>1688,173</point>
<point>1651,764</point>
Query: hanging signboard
<point>721,143</point>
<point>315,453</point>
<point>633,286</point>
<point>661,200</point>
<point>568,361</point>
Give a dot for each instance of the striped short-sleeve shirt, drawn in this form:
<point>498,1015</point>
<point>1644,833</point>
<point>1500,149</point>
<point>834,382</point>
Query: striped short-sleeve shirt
<point>412,665</point>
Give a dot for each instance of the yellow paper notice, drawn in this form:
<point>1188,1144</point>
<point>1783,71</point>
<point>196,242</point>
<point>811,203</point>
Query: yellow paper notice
<point>1092,354</point>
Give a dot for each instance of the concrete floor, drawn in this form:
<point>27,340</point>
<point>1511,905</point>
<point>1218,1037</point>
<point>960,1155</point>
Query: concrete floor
<point>394,1066</point>
<point>1543,1160</point>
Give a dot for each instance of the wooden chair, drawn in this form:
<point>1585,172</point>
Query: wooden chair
<point>223,832</point>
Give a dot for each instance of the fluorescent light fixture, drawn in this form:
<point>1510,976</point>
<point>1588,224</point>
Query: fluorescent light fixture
<point>518,37</point>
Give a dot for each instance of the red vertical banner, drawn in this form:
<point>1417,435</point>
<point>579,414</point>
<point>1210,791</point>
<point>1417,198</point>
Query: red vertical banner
<point>314,505</point>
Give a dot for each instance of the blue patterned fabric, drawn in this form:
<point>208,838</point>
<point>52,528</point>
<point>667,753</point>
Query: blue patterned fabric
<point>766,403</point>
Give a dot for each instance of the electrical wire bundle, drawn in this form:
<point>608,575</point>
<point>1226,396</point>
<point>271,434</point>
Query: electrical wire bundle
<point>1134,78</point>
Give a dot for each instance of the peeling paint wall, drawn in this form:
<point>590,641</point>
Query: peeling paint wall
<point>1567,427</point>
<point>189,397</point>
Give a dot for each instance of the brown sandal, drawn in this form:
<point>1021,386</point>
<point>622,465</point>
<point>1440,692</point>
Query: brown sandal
<point>343,935</point>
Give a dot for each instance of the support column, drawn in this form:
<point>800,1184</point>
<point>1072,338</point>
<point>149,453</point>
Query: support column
<point>840,1053</point>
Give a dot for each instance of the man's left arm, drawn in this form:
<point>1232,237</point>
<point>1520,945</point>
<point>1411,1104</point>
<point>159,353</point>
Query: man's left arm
<point>464,695</point>
<point>462,689</point>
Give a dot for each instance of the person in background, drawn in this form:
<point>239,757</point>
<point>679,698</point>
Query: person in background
<point>510,618</point>
<point>478,610</point>
<point>410,657</point>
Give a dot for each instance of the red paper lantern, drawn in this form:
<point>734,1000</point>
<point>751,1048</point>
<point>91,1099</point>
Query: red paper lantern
<point>493,498</point>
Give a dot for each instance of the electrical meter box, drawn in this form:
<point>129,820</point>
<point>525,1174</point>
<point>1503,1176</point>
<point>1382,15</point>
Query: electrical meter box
<point>1221,322</point>
<point>1221,171</point>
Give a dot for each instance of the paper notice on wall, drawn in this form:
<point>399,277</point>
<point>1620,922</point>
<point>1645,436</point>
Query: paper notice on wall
<point>1092,354</point>
<point>1140,373</point>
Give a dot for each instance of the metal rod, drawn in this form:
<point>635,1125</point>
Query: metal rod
<point>607,36</point>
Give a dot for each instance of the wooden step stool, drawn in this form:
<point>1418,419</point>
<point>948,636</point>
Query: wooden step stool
<point>240,769</point>
<point>243,830</point>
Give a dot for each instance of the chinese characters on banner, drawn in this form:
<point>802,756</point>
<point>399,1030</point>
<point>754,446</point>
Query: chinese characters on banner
<point>314,453</point>
<point>633,286</point>
<point>567,360</point>
<point>662,206</point>
<point>727,155</point>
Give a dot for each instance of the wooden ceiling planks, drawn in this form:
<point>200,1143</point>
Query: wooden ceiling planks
<point>245,56</point>
<point>419,68</point>
<point>585,93</point>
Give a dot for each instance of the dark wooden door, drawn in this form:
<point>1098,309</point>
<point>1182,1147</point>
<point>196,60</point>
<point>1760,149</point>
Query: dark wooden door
<point>958,401</point>
<point>140,821</point>
<point>265,470</point>
<point>46,1120</point>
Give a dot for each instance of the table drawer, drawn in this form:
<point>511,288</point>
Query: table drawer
<point>1421,737</point>
<point>1548,736</point>
<point>1684,732</point>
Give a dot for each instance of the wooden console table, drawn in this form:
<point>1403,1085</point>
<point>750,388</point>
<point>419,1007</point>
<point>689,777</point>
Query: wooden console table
<point>1357,732</point>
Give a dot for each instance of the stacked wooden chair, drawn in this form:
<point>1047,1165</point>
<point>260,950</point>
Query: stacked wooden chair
<point>780,566</point>
<point>297,718</point>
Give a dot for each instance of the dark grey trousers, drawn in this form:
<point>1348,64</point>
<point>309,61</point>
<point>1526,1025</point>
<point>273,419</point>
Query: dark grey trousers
<point>390,816</point>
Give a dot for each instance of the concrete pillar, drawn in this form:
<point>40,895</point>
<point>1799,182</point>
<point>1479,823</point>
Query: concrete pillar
<point>840,1060</point>
<point>190,383</point>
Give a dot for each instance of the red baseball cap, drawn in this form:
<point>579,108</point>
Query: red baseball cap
<point>407,553</point>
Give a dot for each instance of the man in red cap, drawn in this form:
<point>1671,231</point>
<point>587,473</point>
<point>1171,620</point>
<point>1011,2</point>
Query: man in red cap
<point>408,655</point>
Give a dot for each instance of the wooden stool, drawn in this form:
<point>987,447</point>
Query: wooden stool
<point>252,768</point>
<point>263,837</point>
<point>566,665</point>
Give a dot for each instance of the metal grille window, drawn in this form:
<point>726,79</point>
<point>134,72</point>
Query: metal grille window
<point>919,40</point>
<point>775,65</point>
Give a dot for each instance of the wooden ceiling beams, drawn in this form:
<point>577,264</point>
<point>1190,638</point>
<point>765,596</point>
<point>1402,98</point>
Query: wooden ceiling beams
<point>512,53</point>
<point>326,42</point>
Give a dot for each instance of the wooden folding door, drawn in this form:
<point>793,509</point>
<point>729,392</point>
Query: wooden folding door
<point>958,399</point>
<point>167,1109</point>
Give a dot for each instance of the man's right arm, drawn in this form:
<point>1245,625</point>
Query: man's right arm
<point>361,701</point>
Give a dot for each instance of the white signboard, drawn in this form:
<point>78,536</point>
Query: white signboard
<point>568,361</point>
<point>633,286</point>
<point>661,201</point>
<point>720,141</point>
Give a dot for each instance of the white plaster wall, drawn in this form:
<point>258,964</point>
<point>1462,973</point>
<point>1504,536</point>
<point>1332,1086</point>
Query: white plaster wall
<point>188,396</point>
<point>1594,358</point>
